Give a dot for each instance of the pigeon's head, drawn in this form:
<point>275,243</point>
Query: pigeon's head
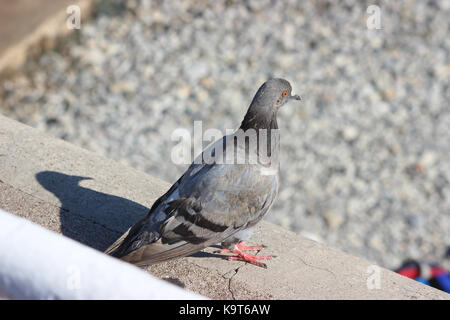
<point>274,93</point>
<point>268,99</point>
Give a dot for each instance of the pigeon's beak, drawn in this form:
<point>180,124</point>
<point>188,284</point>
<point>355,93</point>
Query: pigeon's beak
<point>295,97</point>
<point>78,178</point>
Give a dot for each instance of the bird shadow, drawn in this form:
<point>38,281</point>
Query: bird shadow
<point>94,218</point>
<point>204,254</point>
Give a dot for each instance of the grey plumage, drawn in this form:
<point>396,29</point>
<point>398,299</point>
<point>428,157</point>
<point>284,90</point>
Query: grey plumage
<point>214,202</point>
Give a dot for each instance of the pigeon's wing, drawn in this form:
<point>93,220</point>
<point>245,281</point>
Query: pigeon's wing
<point>184,232</point>
<point>142,232</point>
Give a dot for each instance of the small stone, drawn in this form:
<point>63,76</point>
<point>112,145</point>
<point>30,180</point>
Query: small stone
<point>207,82</point>
<point>196,71</point>
<point>333,219</point>
<point>428,158</point>
<point>183,92</point>
<point>202,96</point>
<point>389,93</point>
<point>123,87</point>
<point>376,242</point>
<point>350,133</point>
<point>354,239</point>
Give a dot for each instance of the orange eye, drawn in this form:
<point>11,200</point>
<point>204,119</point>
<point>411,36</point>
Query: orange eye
<point>284,93</point>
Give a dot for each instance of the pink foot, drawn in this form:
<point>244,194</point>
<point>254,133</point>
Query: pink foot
<point>241,255</point>
<point>241,246</point>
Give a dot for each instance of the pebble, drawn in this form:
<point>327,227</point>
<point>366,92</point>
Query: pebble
<point>333,219</point>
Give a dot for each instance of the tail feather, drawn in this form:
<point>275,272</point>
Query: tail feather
<point>112,250</point>
<point>150,253</point>
<point>121,245</point>
<point>159,252</point>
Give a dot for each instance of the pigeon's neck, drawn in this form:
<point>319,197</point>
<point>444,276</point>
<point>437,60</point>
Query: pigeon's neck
<point>263,121</point>
<point>258,118</point>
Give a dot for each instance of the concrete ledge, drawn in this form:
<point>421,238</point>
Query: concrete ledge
<point>43,179</point>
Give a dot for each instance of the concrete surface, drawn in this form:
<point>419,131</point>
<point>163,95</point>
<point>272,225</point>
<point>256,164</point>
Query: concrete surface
<point>46,181</point>
<point>27,26</point>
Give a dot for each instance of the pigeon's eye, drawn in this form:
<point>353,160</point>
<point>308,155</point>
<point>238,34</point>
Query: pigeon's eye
<point>284,94</point>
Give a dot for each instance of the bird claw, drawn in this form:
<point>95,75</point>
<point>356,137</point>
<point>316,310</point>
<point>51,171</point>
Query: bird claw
<point>244,248</point>
<point>250,259</point>
<point>241,247</point>
<point>243,256</point>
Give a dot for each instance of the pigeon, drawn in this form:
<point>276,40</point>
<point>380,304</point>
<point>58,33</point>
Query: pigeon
<point>220,198</point>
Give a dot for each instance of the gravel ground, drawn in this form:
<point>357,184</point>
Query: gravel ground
<point>365,156</point>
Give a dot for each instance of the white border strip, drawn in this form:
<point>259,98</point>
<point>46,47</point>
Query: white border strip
<point>36,263</point>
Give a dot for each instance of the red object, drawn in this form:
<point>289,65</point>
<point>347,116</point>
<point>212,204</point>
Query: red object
<point>414,272</point>
<point>410,272</point>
